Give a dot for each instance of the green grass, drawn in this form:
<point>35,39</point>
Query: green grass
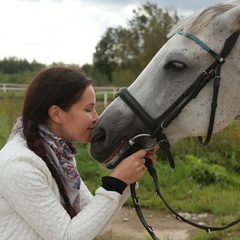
<point>205,179</point>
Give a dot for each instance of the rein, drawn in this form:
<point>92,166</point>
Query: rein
<point>156,126</point>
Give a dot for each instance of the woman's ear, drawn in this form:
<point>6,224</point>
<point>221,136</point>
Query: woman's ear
<point>55,114</point>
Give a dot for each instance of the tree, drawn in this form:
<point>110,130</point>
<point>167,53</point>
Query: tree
<point>105,59</point>
<point>14,65</point>
<point>134,47</point>
<point>148,30</point>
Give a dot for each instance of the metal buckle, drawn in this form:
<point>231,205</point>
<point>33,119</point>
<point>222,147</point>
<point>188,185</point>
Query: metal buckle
<point>133,140</point>
<point>136,201</point>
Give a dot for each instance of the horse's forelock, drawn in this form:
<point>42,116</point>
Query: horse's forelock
<point>199,19</point>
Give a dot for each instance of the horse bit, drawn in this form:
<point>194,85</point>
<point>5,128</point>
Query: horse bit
<point>155,127</point>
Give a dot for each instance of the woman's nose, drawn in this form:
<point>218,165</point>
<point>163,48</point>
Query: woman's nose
<point>95,117</point>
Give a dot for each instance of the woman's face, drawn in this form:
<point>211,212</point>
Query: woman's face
<point>78,122</point>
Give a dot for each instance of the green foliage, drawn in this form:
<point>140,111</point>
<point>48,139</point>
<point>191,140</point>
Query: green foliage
<point>13,65</point>
<point>206,174</point>
<point>99,79</point>
<point>123,78</point>
<point>20,78</point>
<point>90,171</point>
<point>10,108</point>
<point>222,150</point>
<point>132,48</point>
<point>106,58</point>
<point>229,234</point>
<point>147,34</point>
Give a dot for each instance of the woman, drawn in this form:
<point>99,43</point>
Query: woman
<point>41,193</point>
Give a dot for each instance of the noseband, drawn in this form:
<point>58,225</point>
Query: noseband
<point>156,126</point>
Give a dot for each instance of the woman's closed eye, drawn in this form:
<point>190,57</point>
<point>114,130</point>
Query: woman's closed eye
<point>88,110</point>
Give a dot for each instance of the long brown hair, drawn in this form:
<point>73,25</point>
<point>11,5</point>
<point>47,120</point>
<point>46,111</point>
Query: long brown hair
<point>61,86</point>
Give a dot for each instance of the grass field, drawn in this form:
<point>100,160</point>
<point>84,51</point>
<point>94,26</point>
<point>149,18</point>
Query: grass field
<point>205,180</point>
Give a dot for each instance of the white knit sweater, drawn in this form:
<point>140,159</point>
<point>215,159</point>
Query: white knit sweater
<point>30,207</point>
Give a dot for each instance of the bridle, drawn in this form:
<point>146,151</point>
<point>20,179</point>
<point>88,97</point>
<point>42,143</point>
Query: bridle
<point>156,126</point>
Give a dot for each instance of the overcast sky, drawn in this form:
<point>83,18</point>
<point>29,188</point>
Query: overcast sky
<point>68,30</point>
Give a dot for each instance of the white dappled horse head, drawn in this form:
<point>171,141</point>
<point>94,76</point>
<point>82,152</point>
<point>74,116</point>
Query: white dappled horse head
<point>172,70</point>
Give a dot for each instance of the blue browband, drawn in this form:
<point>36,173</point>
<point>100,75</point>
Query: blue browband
<point>203,45</point>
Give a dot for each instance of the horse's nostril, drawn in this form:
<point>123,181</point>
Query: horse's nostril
<point>98,136</point>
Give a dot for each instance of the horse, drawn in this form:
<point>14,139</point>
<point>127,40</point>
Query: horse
<point>189,88</point>
<point>189,61</point>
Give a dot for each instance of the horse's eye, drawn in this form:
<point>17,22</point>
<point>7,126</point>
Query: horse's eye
<point>177,66</point>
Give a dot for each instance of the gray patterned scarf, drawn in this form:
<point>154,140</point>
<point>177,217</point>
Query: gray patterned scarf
<point>61,155</point>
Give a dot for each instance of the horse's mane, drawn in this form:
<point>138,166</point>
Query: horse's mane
<point>200,18</point>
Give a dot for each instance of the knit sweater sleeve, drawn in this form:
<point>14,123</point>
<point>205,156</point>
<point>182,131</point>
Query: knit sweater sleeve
<point>86,197</point>
<point>28,187</point>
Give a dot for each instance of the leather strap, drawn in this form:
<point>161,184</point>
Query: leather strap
<point>136,202</point>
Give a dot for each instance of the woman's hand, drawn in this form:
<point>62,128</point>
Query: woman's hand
<point>131,169</point>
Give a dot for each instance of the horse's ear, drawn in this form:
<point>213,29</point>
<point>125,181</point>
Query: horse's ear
<point>232,2</point>
<point>231,19</point>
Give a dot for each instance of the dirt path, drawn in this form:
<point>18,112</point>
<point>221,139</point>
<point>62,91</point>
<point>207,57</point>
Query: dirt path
<point>127,225</point>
